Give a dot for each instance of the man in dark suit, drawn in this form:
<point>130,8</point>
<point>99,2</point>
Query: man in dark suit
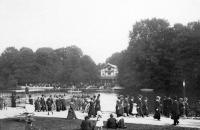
<point>112,122</point>
<point>86,124</point>
<point>175,111</point>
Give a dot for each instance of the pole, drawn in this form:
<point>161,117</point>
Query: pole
<point>184,98</point>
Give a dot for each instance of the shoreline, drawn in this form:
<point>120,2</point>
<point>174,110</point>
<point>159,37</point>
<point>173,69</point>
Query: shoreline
<point>186,123</point>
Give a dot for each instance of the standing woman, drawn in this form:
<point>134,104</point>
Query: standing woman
<point>120,108</point>
<point>91,112</point>
<point>117,106</point>
<point>157,108</point>
<point>97,104</point>
<point>71,113</point>
<point>145,107</point>
<point>131,101</point>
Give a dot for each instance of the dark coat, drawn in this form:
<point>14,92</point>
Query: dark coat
<point>97,106</point>
<point>175,110</point>
<point>86,125</point>
<point>71,114</point>
<point>139,107</point>
<point>157,108</point>
<point>91,109</point>
<point>112,123</point>
<point>145,108</point>
<point>49,103</point>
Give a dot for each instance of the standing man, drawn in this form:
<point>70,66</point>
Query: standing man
<point>49,103</point>
<point>169,106</point>
<point>43,103</point>
<point>165,107</point>
<point>126,106</point>
<point>175,111</point>
<point>131,101</point>
<point>139,106</point>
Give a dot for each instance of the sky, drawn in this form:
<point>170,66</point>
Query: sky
<point>99,27</point>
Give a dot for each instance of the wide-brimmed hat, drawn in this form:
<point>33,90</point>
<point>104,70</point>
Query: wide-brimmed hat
<point>99,113</point>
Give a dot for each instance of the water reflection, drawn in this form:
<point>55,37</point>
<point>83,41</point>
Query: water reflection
<point>108,101</point>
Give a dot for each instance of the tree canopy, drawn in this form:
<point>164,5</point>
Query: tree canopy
<point>160,56</point>
<point>64,65</point>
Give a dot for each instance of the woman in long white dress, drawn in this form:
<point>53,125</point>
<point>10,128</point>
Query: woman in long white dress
<point>134,111</point>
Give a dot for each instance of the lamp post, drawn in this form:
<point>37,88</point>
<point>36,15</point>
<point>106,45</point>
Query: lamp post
<point>184,98</point>
<point>183,88</point>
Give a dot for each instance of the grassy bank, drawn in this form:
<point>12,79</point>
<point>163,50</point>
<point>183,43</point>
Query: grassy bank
<point>42,123</point>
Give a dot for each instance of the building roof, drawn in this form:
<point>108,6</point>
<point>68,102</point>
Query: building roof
<point>111,65</point>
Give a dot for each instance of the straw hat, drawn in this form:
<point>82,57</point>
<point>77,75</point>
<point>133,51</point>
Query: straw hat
<point>99,113</point>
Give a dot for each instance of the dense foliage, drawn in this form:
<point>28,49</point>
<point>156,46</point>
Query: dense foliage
<point>160,56</point>
<point>64,65</point>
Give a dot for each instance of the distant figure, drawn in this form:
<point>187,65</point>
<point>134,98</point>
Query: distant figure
<point>120,107</point>
<point>86,124</point>
<point>111,122</point>
<point>91,112</point>
<point>1,103</point>
<point>157,108</point>
<point>181,106</point>
<point>145,108</point>
<point>186,106</point>
<point>169,106</point>
<point>4,104</point>
<point>197,108</point>
<point>139,106</point>
<point>97,104</point>
<point>175,111</point>
<point>49,103</point>
<point>165,106</point>
<point>117,106</point>
<point>131,101</point>
<point>30,100</point>
<point>63,103</point>
<point>126,106</point>
<point>134,111</point>
<point>13,100</point>
<point>37,105</point>
<point>43,103</point>
<point>71,114</point>
<point>58,104</point>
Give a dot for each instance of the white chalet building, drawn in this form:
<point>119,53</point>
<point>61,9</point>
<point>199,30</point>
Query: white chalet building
<point>108,74</point>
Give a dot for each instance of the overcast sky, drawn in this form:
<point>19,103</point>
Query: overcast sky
<point>99,27</point>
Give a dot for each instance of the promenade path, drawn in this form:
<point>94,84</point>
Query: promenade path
<point>192,123</point>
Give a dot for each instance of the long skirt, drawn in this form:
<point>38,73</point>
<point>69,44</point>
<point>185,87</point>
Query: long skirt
<point>157,114</point>
<point>71,114</point>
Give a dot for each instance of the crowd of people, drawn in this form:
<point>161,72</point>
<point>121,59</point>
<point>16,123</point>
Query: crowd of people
<point>3,104</point>
<point>126,106</point>
<point>139,107</point>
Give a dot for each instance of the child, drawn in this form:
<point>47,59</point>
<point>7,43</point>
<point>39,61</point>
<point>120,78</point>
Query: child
<point>99,123</point>
<point>134,111</point>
